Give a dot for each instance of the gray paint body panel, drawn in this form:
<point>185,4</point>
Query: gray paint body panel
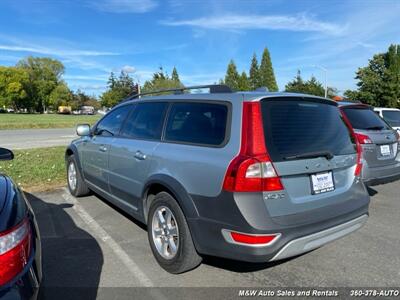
<point>195,174</point>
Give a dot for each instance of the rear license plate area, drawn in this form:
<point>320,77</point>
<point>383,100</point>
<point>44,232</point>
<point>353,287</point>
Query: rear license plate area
<point>322,183</point>
<point>385,150</point>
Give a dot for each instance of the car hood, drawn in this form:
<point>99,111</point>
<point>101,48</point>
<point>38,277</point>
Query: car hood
<point>3,191</point>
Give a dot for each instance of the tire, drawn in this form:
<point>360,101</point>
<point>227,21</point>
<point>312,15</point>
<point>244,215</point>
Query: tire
<point>80,188</point>
<point>185,257</point>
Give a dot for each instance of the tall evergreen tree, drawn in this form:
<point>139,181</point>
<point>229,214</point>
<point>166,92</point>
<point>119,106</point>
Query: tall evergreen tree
<point>243,82</point>
<point>254,74</point>
<point>267,75</point>
<point>232,76</point>
<point>174,75</point>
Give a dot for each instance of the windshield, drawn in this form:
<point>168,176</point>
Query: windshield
<point>364,119</point>
<point>297,128</point>
<point>392,117</point>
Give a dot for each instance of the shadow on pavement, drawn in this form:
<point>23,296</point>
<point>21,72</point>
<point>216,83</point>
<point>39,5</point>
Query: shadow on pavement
<point>72,258</point>
<point>244,267</point>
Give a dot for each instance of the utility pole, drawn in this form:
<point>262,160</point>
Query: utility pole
<point>326,82</point>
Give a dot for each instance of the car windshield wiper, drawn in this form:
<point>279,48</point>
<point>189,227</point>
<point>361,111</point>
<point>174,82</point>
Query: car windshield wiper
<point>374,128</point>
<point>327,154</point>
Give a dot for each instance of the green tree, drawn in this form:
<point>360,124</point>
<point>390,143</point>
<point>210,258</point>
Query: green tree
<point>60,96</point>
<point>391,78</point>
<point>243,82</point>
<point>266,72</point>
<point>118,89</point>
<point>175,75</point>
<point>297,85</point>
<point>12,87</point>
<point>161,80</point>
<point>232,76</point>
<point>254,74</point>
<point>379,82</point>
<point>311,86</point>
<point>44,75</point>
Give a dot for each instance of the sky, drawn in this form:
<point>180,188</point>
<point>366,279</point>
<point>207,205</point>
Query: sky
<point>199,37</point>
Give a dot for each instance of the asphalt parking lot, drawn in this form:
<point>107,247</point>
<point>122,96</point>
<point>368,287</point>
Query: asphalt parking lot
<point>88,243</point>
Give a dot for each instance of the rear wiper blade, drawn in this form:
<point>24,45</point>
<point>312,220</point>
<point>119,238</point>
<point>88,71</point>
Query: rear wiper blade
<point>315,154</point>
<point>375,128</point>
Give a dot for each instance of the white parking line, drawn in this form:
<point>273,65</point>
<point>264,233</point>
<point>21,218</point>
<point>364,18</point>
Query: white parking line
<point>106,238</point>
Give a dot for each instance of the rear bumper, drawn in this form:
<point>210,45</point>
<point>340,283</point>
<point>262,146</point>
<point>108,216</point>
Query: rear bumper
<point>318,239</point>
<point>298,235</point>
<point>381,175</point>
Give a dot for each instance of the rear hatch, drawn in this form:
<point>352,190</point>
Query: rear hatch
<point>379,140</point>
<point>313,152</point>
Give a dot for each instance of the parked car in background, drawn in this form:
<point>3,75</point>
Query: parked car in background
<point>20,248</point>
<point>64,110</point>
<point>87,110</point>
<point>248,176</point>
<point>380,143</point>
<point>390,115</point>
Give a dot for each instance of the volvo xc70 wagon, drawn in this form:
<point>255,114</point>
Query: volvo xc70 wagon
<point>251,176</point>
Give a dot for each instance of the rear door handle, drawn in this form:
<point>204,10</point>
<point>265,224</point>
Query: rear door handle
<point>103,148</point>
<point>140,155</point>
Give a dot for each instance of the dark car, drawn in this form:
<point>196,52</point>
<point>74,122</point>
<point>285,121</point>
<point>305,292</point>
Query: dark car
<point>379,143</point>
<point>20,250</point>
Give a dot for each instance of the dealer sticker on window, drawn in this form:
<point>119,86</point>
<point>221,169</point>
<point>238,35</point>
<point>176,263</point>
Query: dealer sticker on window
<point>322,183</point>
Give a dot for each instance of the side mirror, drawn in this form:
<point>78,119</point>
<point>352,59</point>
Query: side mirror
<point>83,130</point>
<point>6,154</point>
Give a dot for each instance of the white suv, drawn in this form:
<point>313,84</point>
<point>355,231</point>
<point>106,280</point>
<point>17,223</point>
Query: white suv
<point>390,115</point>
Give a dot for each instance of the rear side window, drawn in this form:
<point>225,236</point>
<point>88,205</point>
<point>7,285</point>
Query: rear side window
<point>364,118</point>
<point>295,126</point>
<point>112,122</point>
<point>392,117</point>
<point>197,123</point>
<point>146,121</point>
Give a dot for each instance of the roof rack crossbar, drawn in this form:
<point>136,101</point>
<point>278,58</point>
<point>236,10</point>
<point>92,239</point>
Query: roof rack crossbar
<point>214,88</point>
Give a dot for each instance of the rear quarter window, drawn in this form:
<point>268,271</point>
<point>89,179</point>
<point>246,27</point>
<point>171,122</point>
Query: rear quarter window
<point>295,126</point>
<point>197,123</point>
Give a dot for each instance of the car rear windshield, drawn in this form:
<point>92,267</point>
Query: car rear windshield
<point>296,126</point>
<point>364,118</point>
<point>392,117</point>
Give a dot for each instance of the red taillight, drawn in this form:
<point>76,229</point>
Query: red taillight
<point>363,139</point>
<point>253,239</point>
<point>357,140</point>
<point>359,165</point>
<point>252,169</point>
<point>15,247</point>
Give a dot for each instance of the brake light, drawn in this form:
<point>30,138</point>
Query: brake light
<point>15,247</point>
<point>249,239</point>
<point>363,139</point>
<point>357,138</point>
<point>252,169</point>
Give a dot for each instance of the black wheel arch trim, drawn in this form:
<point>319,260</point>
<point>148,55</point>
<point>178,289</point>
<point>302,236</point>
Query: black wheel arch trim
<point>75,152</point>
<point>176,189</point>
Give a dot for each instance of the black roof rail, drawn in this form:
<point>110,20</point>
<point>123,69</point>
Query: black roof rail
<point>214,88</point>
